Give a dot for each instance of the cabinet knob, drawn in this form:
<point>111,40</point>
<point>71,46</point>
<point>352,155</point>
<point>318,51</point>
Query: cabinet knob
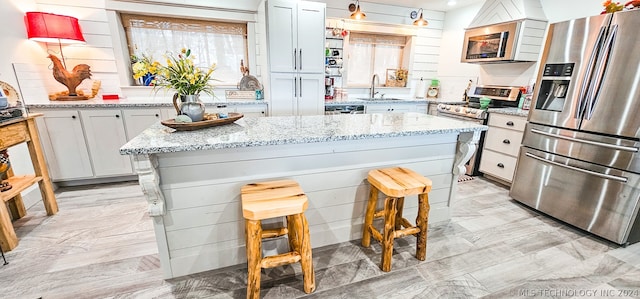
<point>510,123</point>
<point>157,115</point>
<point>73,116</point>
<point>500,165</point>
<point>117,116</point>
<point>262,112</point>
<point>506,141</point>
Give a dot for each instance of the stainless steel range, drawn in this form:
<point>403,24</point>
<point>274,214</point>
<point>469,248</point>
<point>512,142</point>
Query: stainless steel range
<point>501,96</point>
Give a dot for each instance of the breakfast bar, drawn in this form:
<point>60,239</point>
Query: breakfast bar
<point>192,179</point>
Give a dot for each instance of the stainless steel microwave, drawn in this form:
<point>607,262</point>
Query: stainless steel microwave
<point>494,43</point>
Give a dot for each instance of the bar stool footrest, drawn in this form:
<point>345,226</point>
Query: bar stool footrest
<point>405,232</point>
<point>405,223</point>
<point>378,214</point>
<point>280,260</point>
<point>375,234</point>
<point>274,233</point>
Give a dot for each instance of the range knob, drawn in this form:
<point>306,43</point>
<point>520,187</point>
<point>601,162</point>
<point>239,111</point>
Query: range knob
<point>458,109</point>
<point>448,107</point>
<point>468,110</point>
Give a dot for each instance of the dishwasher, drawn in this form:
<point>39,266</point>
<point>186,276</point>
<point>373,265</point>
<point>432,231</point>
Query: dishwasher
<point>343,109</point>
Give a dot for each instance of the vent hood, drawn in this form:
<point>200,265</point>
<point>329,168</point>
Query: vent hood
<point>505,31</point>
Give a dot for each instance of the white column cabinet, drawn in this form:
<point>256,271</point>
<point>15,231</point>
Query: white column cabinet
<point>64,145</point>
<point>295,35</point>
<point>105,133</point>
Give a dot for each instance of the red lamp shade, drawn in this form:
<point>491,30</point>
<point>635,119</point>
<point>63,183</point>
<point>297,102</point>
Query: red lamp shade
<point>52,28</point>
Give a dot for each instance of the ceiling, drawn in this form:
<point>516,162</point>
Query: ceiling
<point>440,5</point>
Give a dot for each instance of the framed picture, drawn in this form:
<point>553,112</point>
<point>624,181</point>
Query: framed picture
<point>396,78</point>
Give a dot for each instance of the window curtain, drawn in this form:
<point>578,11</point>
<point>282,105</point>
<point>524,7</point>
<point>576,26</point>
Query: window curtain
<point>373,54</point>
<point>210,42</point>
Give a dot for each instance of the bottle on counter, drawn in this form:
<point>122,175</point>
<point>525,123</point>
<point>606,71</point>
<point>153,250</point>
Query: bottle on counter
<point>222,112</point>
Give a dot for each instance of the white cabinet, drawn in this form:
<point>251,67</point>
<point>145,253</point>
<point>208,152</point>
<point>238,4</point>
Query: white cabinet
<point>105,134</point>
<point>251,110</point>
<point>502,145</point>
<point>295,34</point>
<point>137,120</point>
<point>64,145</point>
<point>297,94</point>
<point>388,108</point>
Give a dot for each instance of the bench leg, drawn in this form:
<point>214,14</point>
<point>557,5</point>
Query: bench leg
<point>368,216</point>
<point>253,231</point>
<point>422,222</point>
<point>388,237</point>
<point>8,238</point>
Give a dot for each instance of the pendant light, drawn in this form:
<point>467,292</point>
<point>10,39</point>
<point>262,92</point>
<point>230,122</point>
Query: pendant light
<point>420,21</point>
<point>356,13</point>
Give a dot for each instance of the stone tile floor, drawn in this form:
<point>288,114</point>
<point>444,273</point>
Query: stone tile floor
<point>101,245</point>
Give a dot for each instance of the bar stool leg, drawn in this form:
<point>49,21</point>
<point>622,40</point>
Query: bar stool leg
<point>253,233</point>
<point>304,244</point>
<point>292,233</point>
<point>368,216</point>
<point>399,208</point>
<point>422,222</point>
<point>390,210</point>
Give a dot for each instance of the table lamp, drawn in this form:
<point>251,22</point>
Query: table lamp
<point>53,28</point>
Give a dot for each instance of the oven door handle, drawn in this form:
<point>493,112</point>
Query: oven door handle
<point>602,144</point>
<point>594,173</point>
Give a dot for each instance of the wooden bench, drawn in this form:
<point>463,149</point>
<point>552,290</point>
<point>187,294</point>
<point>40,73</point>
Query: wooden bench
<point>14,132</point>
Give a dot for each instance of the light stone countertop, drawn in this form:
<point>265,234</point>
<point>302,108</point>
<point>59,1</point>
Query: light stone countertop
<point>262,131</point>
<point>130,103</point>
<point>362,101</point>
<point>510,111</point>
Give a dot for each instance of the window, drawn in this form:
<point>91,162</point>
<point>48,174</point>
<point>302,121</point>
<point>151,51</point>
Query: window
<point>211,42</point>
<point>370,54</point>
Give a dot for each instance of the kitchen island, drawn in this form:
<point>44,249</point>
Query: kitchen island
<point>192,179</point>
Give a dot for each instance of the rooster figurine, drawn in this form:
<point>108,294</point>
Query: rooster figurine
<point>70,79</point>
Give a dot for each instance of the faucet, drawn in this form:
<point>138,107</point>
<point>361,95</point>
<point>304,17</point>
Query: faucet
<point>374,81</point>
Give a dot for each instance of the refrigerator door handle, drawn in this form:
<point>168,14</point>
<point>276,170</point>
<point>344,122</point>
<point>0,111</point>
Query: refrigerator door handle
<point>594,173</point>
<point>597,85</point>
<point>586,80</point>
<point>602,144</point>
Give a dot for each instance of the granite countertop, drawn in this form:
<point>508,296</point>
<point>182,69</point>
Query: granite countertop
<point>261,131</point>
<point>510,111</point>
<point>362,101</point>
<point>130,103</point>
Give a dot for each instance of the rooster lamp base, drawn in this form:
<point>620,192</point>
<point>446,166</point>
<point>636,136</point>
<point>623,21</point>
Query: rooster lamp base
<point>68,98</point>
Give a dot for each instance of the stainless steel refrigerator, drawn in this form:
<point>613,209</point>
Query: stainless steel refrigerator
<point>579,159</point>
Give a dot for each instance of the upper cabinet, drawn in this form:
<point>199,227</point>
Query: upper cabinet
<point>295,34</point>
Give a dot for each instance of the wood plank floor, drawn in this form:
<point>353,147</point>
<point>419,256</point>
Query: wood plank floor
<point>101,245</point>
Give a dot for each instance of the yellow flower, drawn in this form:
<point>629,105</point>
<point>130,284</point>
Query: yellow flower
<point>182,75</point>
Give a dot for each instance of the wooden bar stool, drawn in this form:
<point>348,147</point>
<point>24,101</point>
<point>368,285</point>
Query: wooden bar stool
<point>396,183</point>
<point>269,200</point>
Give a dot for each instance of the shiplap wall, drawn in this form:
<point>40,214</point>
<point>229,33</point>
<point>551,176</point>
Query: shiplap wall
<point>393,19</point>
<point>105,52</point>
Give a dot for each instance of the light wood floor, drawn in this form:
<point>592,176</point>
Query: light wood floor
<point>101,245</point>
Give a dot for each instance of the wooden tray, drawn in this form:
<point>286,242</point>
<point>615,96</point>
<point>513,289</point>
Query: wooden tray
<point>171,123</point>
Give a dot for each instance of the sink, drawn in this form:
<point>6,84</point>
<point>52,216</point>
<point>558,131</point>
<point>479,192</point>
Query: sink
<point>380,99</point>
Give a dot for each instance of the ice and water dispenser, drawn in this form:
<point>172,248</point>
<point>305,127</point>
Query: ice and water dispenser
<point>554,86</point>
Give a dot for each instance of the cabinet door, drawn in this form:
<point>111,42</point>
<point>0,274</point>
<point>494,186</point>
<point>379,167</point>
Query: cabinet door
<point>64,145</point>
<point>374,108</point>
<point>105,134</point>
<point>168,113</point>
<point>284,90</point>
<point>311,31</point>
<point>137,120</point>
<point>281,37</point>
<point>310,94</point>
<point>252,110</point>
